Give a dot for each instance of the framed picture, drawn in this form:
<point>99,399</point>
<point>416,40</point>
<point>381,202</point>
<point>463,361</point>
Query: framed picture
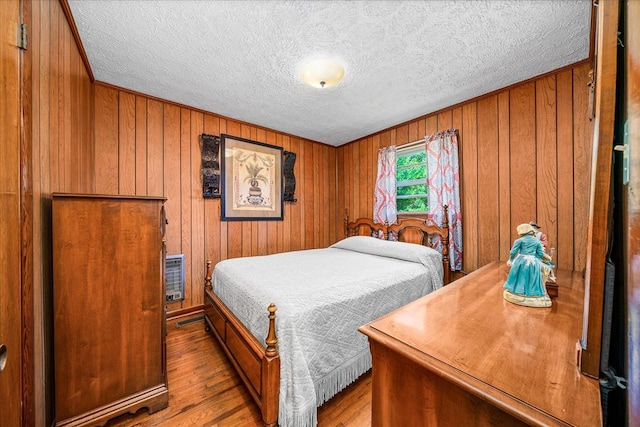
<point>251,180</point>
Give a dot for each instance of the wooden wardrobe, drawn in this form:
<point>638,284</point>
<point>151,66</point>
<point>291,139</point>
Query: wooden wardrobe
<point>108,306</point>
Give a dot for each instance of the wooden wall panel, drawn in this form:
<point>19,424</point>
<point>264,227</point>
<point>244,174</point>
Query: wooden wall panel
<point>172,187</point>
<point>413,130</point>
<point>524,154</point>
<point>149,146</point>
<point>62,135</point>
<point>564,103</point>
<point>342,196</point>
<point>469,185</point>
<point>445,120</point>
<point>318,225</point>
<point>402,134</point>
<point>582,155</point>
<point>106,136</point>
<point>194,294</point>
<point>127,144</point>
<point>505,232</point>
<point>323,206</point>
<point>309,194</point>
<point>546,160</point>
<point>344,193</point>
<point>64,98</point>
<point>345,178</point>
<point>488,203</point>
<point>364,195</point>
<point>431,126</point>
<point>185,199</point>
<point>331,189</point>
<point>52,74</point>
<point>355,211</point>
<point>141,146</point>
<point>155,143</point>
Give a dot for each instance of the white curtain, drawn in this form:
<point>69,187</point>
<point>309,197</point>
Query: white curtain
<point>444,188</point>
<point>384,206</point>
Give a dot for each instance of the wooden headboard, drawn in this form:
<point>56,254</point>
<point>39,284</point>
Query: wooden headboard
<point>410,230</point>
<point>363,227</point>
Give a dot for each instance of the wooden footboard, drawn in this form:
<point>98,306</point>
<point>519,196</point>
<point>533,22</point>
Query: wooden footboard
<point>257,365</point>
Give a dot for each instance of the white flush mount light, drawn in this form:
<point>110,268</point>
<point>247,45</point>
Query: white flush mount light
<point>322,73</point>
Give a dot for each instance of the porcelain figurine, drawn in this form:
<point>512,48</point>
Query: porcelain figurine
<point>525,283</point>
<point>539,234</point>
<point>547,268</point>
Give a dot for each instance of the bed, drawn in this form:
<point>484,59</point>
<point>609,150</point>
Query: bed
<point>323,296</point>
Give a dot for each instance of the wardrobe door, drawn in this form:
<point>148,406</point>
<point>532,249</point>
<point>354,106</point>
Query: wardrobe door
<point>108,306</point>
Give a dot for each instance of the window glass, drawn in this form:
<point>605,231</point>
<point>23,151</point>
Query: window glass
<point>411,180</point>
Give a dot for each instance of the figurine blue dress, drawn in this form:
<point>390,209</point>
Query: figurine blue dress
<point>525,283</point>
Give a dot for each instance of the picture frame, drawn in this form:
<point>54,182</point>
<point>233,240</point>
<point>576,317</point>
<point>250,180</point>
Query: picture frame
<point>251,180</point>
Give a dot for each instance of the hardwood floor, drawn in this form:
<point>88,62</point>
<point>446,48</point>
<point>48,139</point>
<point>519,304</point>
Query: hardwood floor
<point>205,390</point>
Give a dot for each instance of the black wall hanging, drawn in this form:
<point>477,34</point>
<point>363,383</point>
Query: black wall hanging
<point>210,166</point>
<point>289,177</point>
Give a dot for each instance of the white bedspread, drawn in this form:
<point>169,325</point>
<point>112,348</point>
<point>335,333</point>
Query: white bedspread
<point>323,296</point>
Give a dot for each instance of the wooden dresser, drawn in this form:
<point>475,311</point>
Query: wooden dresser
<point>108,306</point>
<point>463,356</point>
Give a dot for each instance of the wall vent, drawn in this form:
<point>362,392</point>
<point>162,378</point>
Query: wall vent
<point>174,276</point>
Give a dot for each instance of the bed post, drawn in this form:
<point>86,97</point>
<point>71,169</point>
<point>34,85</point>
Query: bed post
<point>207,277</point>
<point>346,222</point>
<point>272,341</point>
<point>445,246</point>
<point>270,395</point>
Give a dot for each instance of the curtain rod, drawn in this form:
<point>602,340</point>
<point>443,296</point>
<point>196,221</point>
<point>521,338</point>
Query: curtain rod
<point>412,144</point>
<point>423,140</point>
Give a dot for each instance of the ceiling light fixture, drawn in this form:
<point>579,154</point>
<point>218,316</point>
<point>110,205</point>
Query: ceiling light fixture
<point>322,73</point>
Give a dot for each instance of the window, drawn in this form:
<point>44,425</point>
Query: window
<point>411,180</point>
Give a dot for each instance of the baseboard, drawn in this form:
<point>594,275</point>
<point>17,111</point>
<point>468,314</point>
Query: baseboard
<point>182,312</point>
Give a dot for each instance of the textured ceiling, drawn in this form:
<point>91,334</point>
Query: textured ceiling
<point>402,59</point>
